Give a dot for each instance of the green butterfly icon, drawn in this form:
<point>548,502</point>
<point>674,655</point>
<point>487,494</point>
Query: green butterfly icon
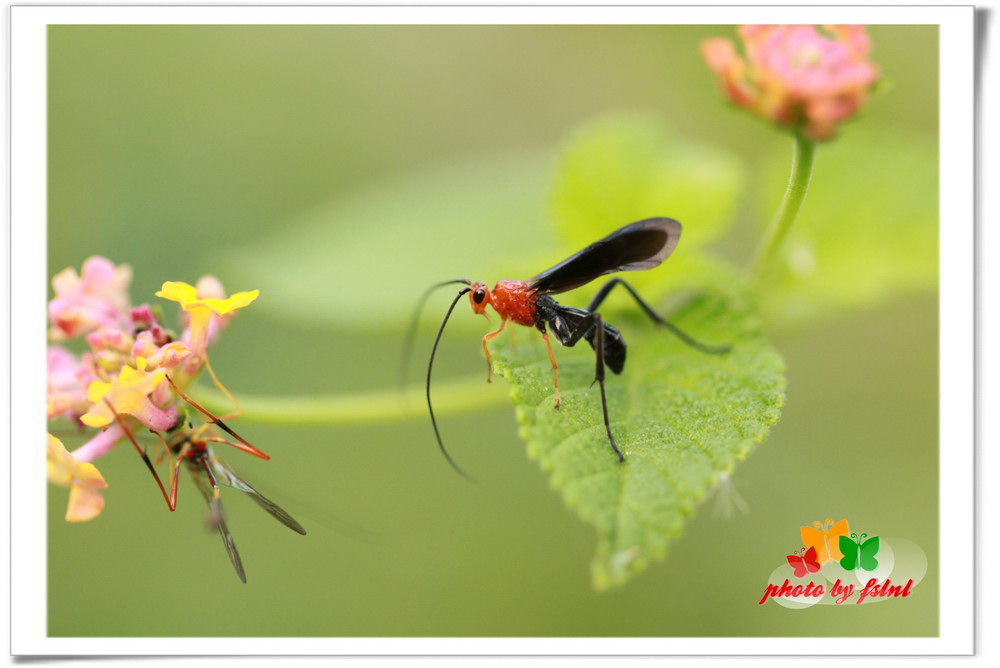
<point>858,552</point>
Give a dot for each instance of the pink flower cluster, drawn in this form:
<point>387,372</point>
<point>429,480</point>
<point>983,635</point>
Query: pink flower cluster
<point>96,299</point>
<point>133,368</point>
<point>796,76</point>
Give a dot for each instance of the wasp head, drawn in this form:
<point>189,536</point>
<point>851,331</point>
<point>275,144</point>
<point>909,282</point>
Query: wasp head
<point>479,297</point>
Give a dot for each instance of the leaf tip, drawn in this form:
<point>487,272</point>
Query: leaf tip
<point>616,569</point>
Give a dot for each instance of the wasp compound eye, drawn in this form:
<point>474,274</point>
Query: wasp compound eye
<point>479,295</point>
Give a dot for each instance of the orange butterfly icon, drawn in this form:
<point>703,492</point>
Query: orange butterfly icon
<point>825,537</point>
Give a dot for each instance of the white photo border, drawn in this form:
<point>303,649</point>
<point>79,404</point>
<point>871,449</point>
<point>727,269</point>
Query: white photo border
<point>27,77</point>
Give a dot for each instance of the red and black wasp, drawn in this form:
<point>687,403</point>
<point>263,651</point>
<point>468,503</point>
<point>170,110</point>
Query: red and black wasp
<point>641,245</point>
<point>190,445</point>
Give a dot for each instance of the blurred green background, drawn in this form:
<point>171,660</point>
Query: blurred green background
<point>186,150</point>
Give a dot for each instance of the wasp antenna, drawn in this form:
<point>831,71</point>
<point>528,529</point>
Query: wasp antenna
<point>430,366</point>
<point>411,331</point>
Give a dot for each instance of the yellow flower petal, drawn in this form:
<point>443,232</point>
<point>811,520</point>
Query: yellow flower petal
<point>84,504</point>
<point>200,310</point>
<point>96,391</point>
<point>83,479</point>
<point>225,306</point>
<point>89,477</point>
<point>59,463</point>
<point>177,291</point>
<point>98,416</point>
<point>128,393</point>
<point>187,296</point>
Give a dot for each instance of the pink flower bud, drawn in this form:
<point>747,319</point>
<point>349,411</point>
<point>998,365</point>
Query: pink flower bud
<point>796,76</point>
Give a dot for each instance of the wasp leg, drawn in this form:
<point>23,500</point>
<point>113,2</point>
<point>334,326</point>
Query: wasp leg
<point>171,504</point>
<point>555,367</point>
<point>244,445</point>
<point>486,349</point>
<point>222,388</point>
<point>593,322</point>
<point>655,317</point>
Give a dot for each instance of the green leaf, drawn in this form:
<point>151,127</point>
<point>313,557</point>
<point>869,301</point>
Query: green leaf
<point>364,259</point>
<point>627,167</point>
<point>683,418</point>
<point>867,230</point>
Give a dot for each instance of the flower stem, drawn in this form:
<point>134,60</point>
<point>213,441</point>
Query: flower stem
<point>458,395</point>
<point>798,184</point>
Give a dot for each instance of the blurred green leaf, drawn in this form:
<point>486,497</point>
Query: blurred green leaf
<point>364,260</point>
<point>868,228</point>
<point>682,418</point>
<point>626,167</point>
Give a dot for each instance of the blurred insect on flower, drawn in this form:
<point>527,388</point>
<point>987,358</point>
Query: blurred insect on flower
<point>795,75</point>
<point>133,377</point>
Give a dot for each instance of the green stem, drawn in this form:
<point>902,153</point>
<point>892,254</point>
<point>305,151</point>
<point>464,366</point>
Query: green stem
<point>372,407</point>
<point>795,194</point>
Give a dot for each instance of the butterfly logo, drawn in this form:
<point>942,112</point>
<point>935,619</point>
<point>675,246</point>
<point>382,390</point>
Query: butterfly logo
<point>858,552</point>
<point>803,562</point>
<point>824,537</point>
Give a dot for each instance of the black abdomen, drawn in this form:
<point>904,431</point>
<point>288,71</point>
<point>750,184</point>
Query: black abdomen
<point>614,348</point>
<point>569,325</point>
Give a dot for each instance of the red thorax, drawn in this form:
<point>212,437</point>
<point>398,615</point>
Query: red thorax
<point>512,300</point>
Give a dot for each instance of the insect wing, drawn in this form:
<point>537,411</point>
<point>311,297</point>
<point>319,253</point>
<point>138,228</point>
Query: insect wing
<point>217,520</point>
<point>868,550</point>
<point>641,245</point>
<point>228,477</point>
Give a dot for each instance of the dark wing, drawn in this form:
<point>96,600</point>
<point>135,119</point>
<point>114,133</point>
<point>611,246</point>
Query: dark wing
<point>641,245</point>
<point>228,477</point>
<point>217,521</point>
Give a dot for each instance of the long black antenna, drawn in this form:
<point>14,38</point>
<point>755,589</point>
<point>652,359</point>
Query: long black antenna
<point>430,365</point>
<point>411,332</point>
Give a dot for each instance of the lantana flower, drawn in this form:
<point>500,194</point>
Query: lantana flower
<point>128,394</point>
<point>168,356</point>
<point>68,380</point>
<point>206,314</point>
<point>796,76</point>
<point>85,482</point>
<point>134,369</point>
<point>96,298</point>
